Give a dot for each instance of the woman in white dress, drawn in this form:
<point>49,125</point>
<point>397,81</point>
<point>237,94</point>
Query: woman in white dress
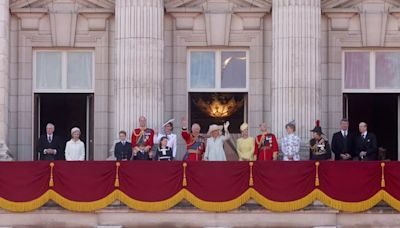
<point>168,127</point>
<point>215,144</point>
<point>75,148</point>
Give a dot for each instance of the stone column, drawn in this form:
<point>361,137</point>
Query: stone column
<point>139,67</point>
<point>296,82</point>
<point>4,65</point>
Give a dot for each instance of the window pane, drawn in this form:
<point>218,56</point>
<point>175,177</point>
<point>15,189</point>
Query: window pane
<point>233,67</point>
<point>79,70</point>
<point>387,70</point>
<point>357,70</point>
<point>48,70</point>
<point>202,70</point>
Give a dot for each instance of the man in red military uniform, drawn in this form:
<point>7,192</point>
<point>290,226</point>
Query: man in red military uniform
<point>142,135</point>
<point>266,146</point>
<point>195,143</point>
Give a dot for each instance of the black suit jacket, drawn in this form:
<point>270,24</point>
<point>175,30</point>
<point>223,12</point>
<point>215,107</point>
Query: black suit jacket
<point>55,144</point>
<point>341,145</point>
<point>369,145</point>
<point>123,152</point>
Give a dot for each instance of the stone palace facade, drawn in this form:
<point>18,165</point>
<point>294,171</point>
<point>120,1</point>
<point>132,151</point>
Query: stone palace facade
<point>100,64</point>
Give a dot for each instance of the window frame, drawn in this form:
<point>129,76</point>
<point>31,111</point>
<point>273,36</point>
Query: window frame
<point>372,74</point>
<point>218,70</point>
<point>64,71</point>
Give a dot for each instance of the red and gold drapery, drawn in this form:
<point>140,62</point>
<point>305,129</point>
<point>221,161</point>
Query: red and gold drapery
<point>210,186</point>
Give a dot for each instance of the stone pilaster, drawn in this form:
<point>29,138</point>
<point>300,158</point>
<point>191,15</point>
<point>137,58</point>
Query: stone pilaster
<point>139,67</point>
<point>296,80</point>
<point>4,65</point>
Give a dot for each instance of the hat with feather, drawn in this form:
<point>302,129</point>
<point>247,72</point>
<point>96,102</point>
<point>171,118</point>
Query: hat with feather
<point>317,128</point>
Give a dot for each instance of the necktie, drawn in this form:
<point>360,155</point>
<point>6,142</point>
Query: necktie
<point>49,139</point>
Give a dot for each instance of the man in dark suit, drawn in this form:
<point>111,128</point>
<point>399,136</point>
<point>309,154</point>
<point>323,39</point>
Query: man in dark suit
<point>343,142</point>
<point>123,149</point>
<point>49,146</point>
<point>366,144</point>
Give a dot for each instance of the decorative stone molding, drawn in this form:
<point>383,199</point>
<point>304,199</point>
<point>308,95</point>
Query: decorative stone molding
<point>97,18</point>
<point>63,17</point>
<point>184,20</point>
<point>251,20</point>
<point>339,18</point>
<point>373,16</point>
<point>218,16</point>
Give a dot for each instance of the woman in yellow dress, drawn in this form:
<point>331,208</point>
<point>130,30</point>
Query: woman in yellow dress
<point>245,144</point>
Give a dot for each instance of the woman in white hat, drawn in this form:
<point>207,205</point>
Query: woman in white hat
<point>215,144</point>
<point>75,148</point>
<point>245,144</point>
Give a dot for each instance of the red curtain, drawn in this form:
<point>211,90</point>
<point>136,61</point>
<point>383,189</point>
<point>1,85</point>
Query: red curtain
<point>84,181</point>
<point>150,181</point>
<point>350,181</point>
<point>24,181</point>
<point>392,179</point>
<point>219,186</point>
<point>284,181</point>
<point>217,181</point>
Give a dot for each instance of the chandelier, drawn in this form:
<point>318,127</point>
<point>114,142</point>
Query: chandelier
<point>219,106</point>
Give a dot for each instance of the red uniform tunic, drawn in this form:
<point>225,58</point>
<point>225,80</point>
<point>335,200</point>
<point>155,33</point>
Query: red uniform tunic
<point>142,136</point>
<point>195,144</point>
<point>265,146</point>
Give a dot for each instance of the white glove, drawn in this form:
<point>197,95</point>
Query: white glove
<point>226,125</point>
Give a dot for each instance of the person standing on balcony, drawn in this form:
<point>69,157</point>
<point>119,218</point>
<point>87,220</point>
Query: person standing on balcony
<point>342,142</point>
<point>291,143</point>
<point>215,144</point>
<point>142,136</point>
<point>75,148</point>
<point>163,151</point>
<point>49,146</point>
<point>123,148</point>
<point>245,144</point>
<point>266,146</point>
<point>195,143</point>
<point>366,144</point>
<point>319,145</point>
<point>167,129</point>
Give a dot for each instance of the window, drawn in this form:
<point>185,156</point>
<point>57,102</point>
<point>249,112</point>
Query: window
<point>371,71</point>
<point>218,70</point>
<point>63,71</point>
<point>48,70</point>
<point>356,70</point>
<point>387,70</point>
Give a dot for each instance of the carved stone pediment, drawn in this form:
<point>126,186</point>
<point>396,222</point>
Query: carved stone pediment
<point>62,16</point>
<point>217,15</point>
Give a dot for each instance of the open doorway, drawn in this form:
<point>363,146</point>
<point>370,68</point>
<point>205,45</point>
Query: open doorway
<point>65,111</point>
<point>380,112</point>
